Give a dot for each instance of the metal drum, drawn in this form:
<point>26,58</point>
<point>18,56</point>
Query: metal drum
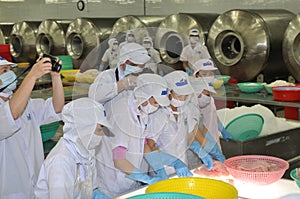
<point>291,47</point>
<point>5,30</point>
<point>22,41</point>
<point>141,25</point>
<point>245,43</point>
<point>173,32</point>
<point>51,37</point>
<point>84,35</point>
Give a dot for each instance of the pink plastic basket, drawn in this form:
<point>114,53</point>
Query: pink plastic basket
<point>256,169</point>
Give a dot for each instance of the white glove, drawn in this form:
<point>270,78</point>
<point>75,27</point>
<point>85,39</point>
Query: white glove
<point>129,82</point>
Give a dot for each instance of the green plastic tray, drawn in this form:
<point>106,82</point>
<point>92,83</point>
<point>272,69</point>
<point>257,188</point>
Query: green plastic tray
<point>49,130</point>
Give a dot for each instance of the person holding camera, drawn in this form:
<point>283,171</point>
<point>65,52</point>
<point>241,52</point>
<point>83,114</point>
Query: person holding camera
<point>21,147</point>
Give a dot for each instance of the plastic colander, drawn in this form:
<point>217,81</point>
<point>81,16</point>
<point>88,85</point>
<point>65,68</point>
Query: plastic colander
<point>274,168</point>
<point>165,195</point>
<point>245,127</point>
<point>203,187</point>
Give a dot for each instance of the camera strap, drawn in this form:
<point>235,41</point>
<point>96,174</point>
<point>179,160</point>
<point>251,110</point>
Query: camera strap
<point>26,69</point>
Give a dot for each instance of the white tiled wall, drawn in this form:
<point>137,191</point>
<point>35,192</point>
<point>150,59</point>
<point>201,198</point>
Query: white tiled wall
<point>38,10</point>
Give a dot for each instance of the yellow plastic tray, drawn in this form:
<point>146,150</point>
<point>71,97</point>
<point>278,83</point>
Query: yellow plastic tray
<point>69,75</point>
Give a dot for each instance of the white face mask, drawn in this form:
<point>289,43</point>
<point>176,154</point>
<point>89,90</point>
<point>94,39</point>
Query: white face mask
<point>94,141</point>
<point>208,79</point>
<point>203,101</point>
<point>6,79</point>
<point>147,46</point>
<point>132,69</point>
<point>130,39</point>
<point>149,108</point>
<point>115,46</point>
<point>194,40</point>
<point>176,102</point>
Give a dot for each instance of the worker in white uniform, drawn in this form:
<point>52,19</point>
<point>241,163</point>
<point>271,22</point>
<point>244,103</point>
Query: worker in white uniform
<point>69,170</point>
<point>21,146</point>
<point>111,85</point>
<point>205,69</point>
<point>193,52</point>
<point>129,38</point>
<point>120,158</point>
<point>111,56</point>
<point>155,60</point>
<point>172,140</point>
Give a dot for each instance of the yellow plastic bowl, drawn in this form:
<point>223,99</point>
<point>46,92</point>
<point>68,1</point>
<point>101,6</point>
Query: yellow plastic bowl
<point>217,84</point>
<point>69,75</point>
<point>204,187</point>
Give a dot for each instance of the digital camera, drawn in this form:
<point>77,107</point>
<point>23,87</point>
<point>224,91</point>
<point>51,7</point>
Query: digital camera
<point>56,67</point>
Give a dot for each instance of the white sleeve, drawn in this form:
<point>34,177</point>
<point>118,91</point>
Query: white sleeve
<point>183,55</point>
<point>44,111</point>
<point>105,57</point>
<point>8,125</point>
<point>156,56</point>
<point>104,88</point>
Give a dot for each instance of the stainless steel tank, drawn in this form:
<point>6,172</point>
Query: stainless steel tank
<point>5,30</point>
<point>246,43</point>
<point>51,37</point>
<point>22,41</point>
<point>141,25</point>
<point>291,47</point>
<point>84,35</point>
<point>173,32</point>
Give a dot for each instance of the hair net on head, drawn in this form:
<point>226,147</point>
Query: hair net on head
<point>4,62</point>
<point>80,118</point>
<point>133,52</point>
<point>178,81</point>
<point>194,32</point>
<point>204,64</point>
<point>148,39</point>
<point>199,84</point>
<point>151,85</point>
<point>111,42</point>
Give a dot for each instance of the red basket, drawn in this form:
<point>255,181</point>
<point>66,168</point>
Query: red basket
<point>236,167</point>
<point>286,93</point>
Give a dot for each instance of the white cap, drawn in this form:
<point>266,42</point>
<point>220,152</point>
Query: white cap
<point>152,85</point>
<point>129,32</point>
<point>133,52</point>
<point>199,84</point>
<point>178,81</point>
<point>194,32</point>
<point>204,64</point>
<point>85,111</point>
<point>147,39</point>
<point>4,62</point>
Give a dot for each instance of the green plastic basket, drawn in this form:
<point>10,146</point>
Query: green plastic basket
<point>67,62</point>
<point>48,130</point>
<point>294,177</point>
<point>165,195</point>
<point>268,89</point>
<point>225,78</point>
<point>245,127</point>
<point>250,87</point>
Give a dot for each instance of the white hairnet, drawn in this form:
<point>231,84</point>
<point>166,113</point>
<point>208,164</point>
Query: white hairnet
<point>199,84</point>
<point>194,32</point>
<point>111,42</point>
<point>4,62</point>
<point>80,118</point>
<point>204,64</point>
<point>133,52</point>
<point>148,39</point>
<point>178,81</point>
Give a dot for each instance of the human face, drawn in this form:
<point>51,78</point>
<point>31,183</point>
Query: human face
<point>152,101</point>
<point>4,69</point>
<point>205,73</point>
<point>204,92</point>
<point>132,64</point>
<point>99,130</point>
<point>177,97</point>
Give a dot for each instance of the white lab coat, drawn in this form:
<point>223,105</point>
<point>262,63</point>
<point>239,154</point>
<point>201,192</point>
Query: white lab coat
<point>154,59</point>
<point>192,55</point>
<point>60,175</point>
<point>129,133</point>
<point>104,88</point>
<point>21,147</point>
<point>111,57</point>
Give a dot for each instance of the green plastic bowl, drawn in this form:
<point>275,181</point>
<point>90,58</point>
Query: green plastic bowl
<point>165,195</point>
<point>245,127</point>
<point>250,87</point>
<point>225,78</point>
<point>49,130</point>
<point>294,177</point>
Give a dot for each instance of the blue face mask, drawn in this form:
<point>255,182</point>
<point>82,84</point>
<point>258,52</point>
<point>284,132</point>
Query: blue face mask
<point>132,69</point>
<point>6,79</point>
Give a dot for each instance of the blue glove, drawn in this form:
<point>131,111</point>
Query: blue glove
<point>180,168</point>
<point>101,68</point>
<point>213,148</point>
<point>202,154</point>
<point>188,71</point>
<point>223,131</point>
<point>143,177</point>
<point>97,194</point>
<point>156,164</point>
<point>161,73</point>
